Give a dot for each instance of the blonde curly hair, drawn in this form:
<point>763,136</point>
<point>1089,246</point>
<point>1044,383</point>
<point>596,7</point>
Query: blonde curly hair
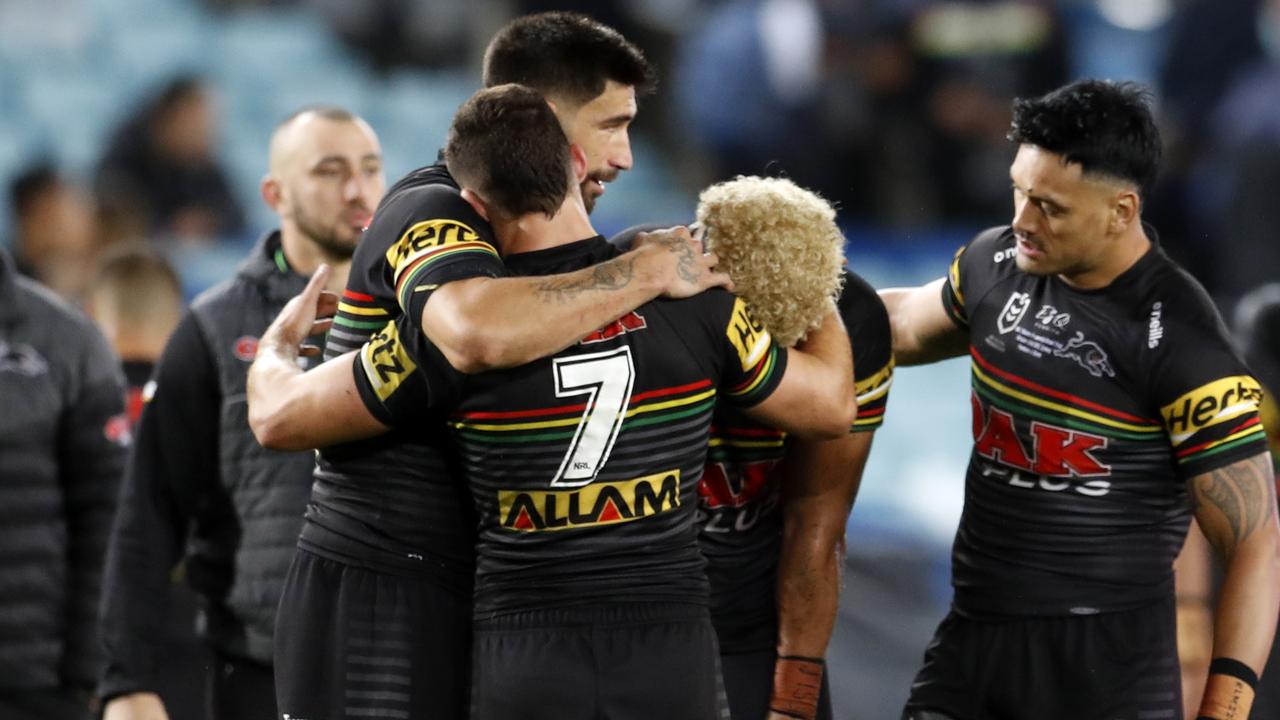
<point>780,244</point>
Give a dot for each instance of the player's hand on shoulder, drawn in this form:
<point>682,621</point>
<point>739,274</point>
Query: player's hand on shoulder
<point>683,268</point>
<point>135,706</point>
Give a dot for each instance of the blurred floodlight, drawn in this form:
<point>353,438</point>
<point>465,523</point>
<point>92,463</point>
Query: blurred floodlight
<point>1135,14</point>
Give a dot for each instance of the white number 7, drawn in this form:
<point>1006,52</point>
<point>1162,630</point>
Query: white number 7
<point>606,379</point>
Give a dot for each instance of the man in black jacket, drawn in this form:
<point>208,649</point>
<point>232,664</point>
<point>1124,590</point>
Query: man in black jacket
<point>62,438</point>
<point>198,485</point>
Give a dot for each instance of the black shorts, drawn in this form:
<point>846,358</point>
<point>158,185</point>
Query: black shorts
<point>619,662</point>
<point>1111,666</point>
<point>748,683</point>
<point>352,642</point>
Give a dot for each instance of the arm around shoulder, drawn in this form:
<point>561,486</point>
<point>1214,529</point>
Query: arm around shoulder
<point>815,397</point>
<point>922,330</point>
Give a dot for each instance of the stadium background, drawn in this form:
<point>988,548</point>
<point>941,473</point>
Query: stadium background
<point>893,108</point>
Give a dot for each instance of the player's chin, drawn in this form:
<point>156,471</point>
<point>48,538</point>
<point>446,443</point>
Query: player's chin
<point>1032,265</point>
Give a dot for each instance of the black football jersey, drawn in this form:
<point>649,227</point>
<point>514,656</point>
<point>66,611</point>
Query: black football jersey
<point>396,501</point>
<point>1091,409</point>
<point>738,511</point>
<point>584,466</point>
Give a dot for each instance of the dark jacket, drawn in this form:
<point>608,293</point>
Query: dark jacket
<point>62,447</point>
<point>199,485</point>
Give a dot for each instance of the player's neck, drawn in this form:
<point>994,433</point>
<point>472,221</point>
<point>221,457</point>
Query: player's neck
<point>535,231</point>
<point>1126,250</point>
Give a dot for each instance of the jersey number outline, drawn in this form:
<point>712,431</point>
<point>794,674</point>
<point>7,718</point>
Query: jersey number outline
<point>606,378</point>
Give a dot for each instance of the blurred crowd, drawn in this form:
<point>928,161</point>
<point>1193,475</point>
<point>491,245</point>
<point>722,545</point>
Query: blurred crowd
<point>894,109</point>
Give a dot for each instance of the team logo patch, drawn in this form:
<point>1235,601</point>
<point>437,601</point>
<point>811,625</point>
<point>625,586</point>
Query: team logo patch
<point>22,359</point>
<point>245,348</point>
<point>1088,354</point>
<point>118,430</point>
<point>1210,404</point>
<point>601,503</point>
<point>386,363</point>
<point>1014,308</point>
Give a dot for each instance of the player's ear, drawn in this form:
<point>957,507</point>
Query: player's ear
<point>578,158</point>
<point>476,202</point>
<point>271,193</point>
<point>1124,211</point>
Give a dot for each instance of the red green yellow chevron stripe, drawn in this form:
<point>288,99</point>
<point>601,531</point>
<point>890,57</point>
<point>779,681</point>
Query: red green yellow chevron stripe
<point>759,375</point>
<point>1016,393</point>
<point>407,276</point>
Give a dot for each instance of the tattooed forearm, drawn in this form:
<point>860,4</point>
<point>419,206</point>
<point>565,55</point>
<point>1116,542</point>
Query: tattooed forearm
<point>686,263</point>
<point>1242,493</point>
<point>612,275</point>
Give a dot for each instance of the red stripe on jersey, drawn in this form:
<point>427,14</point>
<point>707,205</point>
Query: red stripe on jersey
<point>352,294</point>
<point>1242,426</point>
<point>1055,393</point>
<point>870,412</point>
<point>542,412</point>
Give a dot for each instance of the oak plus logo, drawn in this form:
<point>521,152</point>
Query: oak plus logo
<point>1014,308</point>
<point>1155,330</point>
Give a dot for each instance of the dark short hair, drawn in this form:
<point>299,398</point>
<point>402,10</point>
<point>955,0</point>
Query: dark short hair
<point>30,184</point>
<point>506,144</point>
<point>565,55</point>
<point>1104,126</point>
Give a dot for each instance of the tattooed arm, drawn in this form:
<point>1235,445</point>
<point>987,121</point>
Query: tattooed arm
<point>1236,508</point>
<point>485,323</point>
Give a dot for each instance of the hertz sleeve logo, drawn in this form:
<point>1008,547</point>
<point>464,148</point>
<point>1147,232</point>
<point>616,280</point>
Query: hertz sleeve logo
<point>747,335</point>
<point>601,503</point>
<point>385,362</point>
<point>1210,404</point>
<point>424,237</point>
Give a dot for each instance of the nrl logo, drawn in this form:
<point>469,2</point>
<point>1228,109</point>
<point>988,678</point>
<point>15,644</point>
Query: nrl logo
<point>1087,352</point>
<point>1013,311</point>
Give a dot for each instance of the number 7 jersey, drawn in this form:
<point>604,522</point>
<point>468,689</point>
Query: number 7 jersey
<point>584,466</point>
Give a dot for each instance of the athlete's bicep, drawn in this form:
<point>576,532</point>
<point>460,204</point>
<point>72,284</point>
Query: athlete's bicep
<point>923,329</point>
<point>1235,502</point>
<point>401,377</point>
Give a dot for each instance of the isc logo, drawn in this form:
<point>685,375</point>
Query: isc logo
<point>1212,403</point>
<point>600,503</point>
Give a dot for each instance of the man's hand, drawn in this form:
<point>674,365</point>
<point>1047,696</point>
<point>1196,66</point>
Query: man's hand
<point>298,320</point>
<point>677,256</point>
<point>136,706</point>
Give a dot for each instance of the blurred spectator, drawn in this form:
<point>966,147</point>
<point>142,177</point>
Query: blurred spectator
<point>1210,44</point>
<point>1257,326</point>
<point>160,164</point>
<point>53,239</point>
<point>895,111</point>
<point>1238,176</point>
<point>975,56</point>
<point>199,487</point>
<point>61,452</point>
<point>136,300</point>
<point>403,32</point>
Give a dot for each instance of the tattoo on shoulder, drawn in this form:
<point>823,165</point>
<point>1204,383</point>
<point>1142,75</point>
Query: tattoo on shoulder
<point>613,274</point>
<point>1242,492</point>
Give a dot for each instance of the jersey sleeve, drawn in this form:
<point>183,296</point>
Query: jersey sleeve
<point>402,378</point>
<point>1208,399</point>
<point>975,268</point>
<point>867,321</point>
<point>443,241</point>
<point>754,363</point>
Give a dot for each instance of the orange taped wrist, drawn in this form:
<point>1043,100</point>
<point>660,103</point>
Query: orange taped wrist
<point>1226,698</point>
<point>797,684</point>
